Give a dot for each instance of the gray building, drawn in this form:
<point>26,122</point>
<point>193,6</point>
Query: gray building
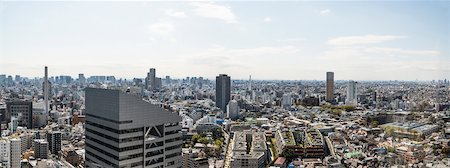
<point>54,142</point>
<point>22,111</point>
<point>223,91</point>
<point>249,150</point>
<point>122,130</point>
<point>40,148</point>
<point>150,80</point>
<point>330,86</point>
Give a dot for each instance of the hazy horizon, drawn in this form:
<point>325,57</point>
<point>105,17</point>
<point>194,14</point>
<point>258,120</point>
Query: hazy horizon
<point>372,41</point>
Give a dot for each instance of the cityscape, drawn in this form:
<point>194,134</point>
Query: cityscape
<point>360,101</point>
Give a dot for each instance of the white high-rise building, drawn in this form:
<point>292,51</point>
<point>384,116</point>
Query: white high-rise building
<point>5,152</point>
<point>286,101</point>
<point>351,94</point>
<point>16,154</point>
<point>233,110</point>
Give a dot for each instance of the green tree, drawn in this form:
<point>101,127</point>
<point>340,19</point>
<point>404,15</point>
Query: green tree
<point>203,140</point>
<point>218,143</point>
<point>195,138</point>
<point>374,123</point>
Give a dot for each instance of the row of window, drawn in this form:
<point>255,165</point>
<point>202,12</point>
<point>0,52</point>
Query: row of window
<point>126,131</point>
<point>123,149</point>
<point>173,155</point>
<point>99,158</point>
<point>173,147</point>
<point>109,120</point>
<point>131,139</point>
<point>173,132</point>
<point>173,139</point>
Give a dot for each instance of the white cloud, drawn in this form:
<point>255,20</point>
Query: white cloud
<point>214,11</point>
<point>267,19</point>
<point>325,12</point>
<point>176,14</point>
<point>399,51</point>
<point>162,28</point>
<point>366,39</point>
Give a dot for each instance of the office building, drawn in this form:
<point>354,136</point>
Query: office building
<point>286,101</point>
<point>81,79</point>
<point>233,110</point>
<point>330,87</point>
<point>5,153</point>
<point>22,111</point>
<point>123,130</point>
<point>40,148</point>
<point>249,150</point>
<point>351,94</point>
<point>54,142</point>
<point>150,80</point>
<point>46,90</point>
<point>16,153</point>
<point>223,91</point>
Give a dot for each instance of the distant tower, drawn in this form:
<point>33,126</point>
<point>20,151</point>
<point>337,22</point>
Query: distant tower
<point>46,90</point>
<point>330,86</point>
<point>151,79</point>
<point>81,79</point>
<point>250,83</point>
<point>351,93</point>
<point>223,91</point>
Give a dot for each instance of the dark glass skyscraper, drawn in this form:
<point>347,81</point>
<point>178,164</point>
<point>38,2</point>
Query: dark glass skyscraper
<point>223,92</point>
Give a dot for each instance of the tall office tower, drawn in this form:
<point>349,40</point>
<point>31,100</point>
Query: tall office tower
<point>158,83</point>
<point>286,100</point>
<point>54,142</point>
<point>223,91</point>
<point>351,94</point>
<point>5,153</point>
<point>330,86</point>
<point>122,130</point>
<point>16,155</point>
<point>22,111</point>
<point>46,90</point>
<point>168,80</point>
<point>40,148</point>
<point>250,83</point>
<point>233,110</point>
<point>151,79</point>
<point>81,79</point>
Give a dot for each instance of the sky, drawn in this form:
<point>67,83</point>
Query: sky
<point>268,40</point>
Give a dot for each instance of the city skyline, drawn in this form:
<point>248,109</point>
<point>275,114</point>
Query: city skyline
<point>358,40</point>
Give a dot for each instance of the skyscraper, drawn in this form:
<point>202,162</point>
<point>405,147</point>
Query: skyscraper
<point>46,90</point>
<point>122,130</point>
<point>54,142</point>
<point>233,110</point>
<point>351,93</point>
<point>223,91</point>
<point>330,86</point>
<point>15,152</point>
<point>151,79</point>
<point>81,79</point>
